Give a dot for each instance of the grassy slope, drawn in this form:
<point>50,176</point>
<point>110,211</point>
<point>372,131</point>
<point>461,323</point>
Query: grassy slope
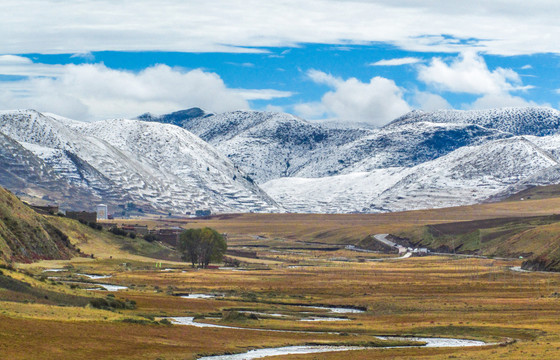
<point>537,193</point>
<point>103,244</point>
<point>536,238</point>
<point>27,236</point>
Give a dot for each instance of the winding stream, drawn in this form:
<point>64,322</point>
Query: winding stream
<point>309,349</point>
<point>94,277</point>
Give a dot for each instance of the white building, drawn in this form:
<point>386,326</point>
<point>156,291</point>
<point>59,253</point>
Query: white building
<point>101,212</point>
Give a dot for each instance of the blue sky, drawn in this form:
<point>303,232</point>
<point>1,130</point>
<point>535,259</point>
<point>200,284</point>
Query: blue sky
<point>356,61</point>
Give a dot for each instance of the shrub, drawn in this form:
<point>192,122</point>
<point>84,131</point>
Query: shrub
<point>165,322</point>
<point>238,316</point>
<point>7,267</point>
<point>150,237</point>
<point>110,303</point>
<point>118,231</point>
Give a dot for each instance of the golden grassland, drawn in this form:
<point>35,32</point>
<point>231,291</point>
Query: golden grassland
<point>349,228</point>
<point>430,296</point>
<point>425,296</point>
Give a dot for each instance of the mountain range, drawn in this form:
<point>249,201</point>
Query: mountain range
<point>157,167</point>
<point>245,161</point>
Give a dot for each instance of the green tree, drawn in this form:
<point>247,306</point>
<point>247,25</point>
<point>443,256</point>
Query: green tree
<point>202,246</point>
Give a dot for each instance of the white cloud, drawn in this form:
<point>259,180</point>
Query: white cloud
<point>527,67</point>
<point>469,74</point>
<point>321,77</point>
<point>311,110</point>
<point>52,26</point>
<point>397,62</point>
<point>274,108</point>
<point>22,66</point>
<point>245,64</point>
<point>376,102</point>
<point>93,91</point>
<point>491,101</point>
<point>430,102</point>
<point>86,56</point>
<point>14,60</point>
<point>262,94</point>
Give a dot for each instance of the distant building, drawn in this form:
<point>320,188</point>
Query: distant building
<point>138,229</point>
<point>83,216</point>
<point>168,235</point>
<point>402,249</point>
<point>202,213</point>
<point>102,212</point>
<point>45,210</point>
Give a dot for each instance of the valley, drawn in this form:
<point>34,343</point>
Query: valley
<point>287,295</point>
<point>309,270</point>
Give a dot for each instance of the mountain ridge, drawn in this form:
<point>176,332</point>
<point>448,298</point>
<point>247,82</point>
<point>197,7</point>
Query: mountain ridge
<point>393,153</point>
<point>421,160</point>
<point>159,167</point>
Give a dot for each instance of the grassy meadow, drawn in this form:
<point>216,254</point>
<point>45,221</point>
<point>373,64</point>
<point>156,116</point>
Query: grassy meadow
<point>52,315</point>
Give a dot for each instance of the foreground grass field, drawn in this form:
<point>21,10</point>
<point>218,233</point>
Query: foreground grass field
<point>297,266</point>
<point>429,296</point>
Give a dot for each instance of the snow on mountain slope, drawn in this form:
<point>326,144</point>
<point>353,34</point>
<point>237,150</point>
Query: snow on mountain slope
<point>272,145</point>
<point>538,121</point>
<point>185,163</point>
<point>550,145</point>
<point>29,176</point>
<point>404,146</point>
<point>421,160</point>
<point>161,167</point>
<point>468,175</point>
<point>263,144</point>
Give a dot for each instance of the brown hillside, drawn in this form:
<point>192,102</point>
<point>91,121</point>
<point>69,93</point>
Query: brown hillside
<point>26,236</point>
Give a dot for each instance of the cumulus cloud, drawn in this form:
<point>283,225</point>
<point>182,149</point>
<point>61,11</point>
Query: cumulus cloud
<point>93,91</point>
<point>469,74</point>
<point>430,102</point>
<point>397,62</point>
<point>375,102</point>
<point>311,110</point>
<point>491,101</point>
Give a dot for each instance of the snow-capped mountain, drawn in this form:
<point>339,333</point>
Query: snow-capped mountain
<point>538,121</point>
<point>468,175</point>
<point>28,176</point>
<point>266,145</point>
<point>420,160</point>
<point>272,145</point>
<point>156,166</point>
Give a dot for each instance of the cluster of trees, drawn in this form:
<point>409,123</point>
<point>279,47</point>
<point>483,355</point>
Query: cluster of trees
<point>202,246</point>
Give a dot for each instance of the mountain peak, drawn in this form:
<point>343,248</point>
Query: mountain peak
<point>177,117</point>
